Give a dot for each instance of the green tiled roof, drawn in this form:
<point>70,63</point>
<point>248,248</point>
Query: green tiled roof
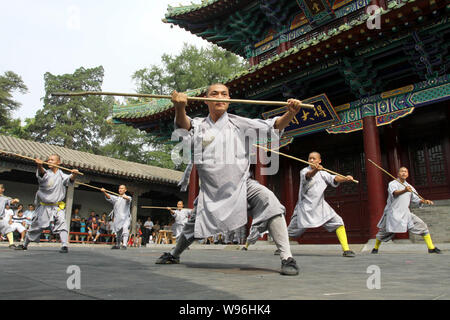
<point>150,107</point>
<point>176,11</point>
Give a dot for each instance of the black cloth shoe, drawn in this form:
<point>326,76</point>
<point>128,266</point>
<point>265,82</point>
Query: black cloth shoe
<point>289,267</point>
<point>435,250</point>
<point>12,246</point>
<point>64,250</point>
<point>167,258</point>
<point>244,249</point>
<point>374,251</point>
<point>348,254</point>
<point>115,247</point>
<point>123,248</point>
<point>20,247</point>
<point>277,252</point>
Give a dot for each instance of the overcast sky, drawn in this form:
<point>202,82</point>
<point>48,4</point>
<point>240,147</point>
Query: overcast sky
<point>59,36</point>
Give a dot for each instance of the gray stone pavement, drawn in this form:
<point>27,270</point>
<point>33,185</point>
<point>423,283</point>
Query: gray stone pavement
<point>210,272</point>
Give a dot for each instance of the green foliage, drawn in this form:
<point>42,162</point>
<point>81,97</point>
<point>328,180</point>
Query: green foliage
<point>9,83</point>
<point>193,68</point>
<point>73,122</point>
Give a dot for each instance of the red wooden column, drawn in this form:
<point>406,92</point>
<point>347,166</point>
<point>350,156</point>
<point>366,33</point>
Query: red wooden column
<point>193,187</point>
<point>393,148</point>
<point>287,185</point>
<point>375,187</point>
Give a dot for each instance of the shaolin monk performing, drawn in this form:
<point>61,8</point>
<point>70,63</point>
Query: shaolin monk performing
<point>226,187</point>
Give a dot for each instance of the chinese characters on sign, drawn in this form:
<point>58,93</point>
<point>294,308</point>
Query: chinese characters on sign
<point>308,121</point>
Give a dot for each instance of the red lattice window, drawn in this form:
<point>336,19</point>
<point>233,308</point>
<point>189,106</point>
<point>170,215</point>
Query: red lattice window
<point>427,158</point>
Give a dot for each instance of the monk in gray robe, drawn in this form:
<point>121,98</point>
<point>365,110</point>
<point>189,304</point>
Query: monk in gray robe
<point>5,226</point>
<point>49,202</point>
<point>311,210</point>
<point>226,187</point>
<point>122,216</point>
<point>181,216</point>
<point>397,217</point>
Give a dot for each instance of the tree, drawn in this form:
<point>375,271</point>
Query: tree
<point>73,122</point>
<point>9,83</point>
<point>192,68</point>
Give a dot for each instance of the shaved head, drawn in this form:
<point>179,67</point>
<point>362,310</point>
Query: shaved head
<point>316,153</point>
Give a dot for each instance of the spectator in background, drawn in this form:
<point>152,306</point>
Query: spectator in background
<point>156,228</point>
<point>148,229</point>
<point>83,228</point>
<point>18,208</point>
<point>103,225</point>
<point>75,223</point>
<point>18,223</point>
<point>91,215</point>
<point>28,215</point>
<point>93,229</point>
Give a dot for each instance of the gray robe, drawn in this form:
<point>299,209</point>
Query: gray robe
<point>5,227</point>
<point>221,205</point>
<point>397,217</point>
<point>121,212</point>
<point>181,217</point>
<point>52,190</point>
<point>312,210</point>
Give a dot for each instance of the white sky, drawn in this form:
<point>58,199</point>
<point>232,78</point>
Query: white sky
<point>59,36</point>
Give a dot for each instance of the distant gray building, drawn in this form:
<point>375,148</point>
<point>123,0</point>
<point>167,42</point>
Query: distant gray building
<point>148,185</point>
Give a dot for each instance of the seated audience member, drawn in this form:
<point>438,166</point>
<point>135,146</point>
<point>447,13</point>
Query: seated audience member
<point>93,230</point>
<point>75,224</point>
<point>28,214</point>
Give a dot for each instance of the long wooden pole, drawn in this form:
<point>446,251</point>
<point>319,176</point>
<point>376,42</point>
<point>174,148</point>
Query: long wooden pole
<point>94,187</point>
<point>150,207</point>
<point>29,158</point>
<point>159,96</point>
<point>306,162</point>
<point>397,179</point>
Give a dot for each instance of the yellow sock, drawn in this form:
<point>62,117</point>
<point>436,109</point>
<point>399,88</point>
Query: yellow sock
<point>342,236</point>
<point>427,239</point>
<point>10,238</point>
<point>377,244</point>
<point>246,245</point>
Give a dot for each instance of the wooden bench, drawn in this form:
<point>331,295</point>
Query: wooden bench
<point>165,236</point>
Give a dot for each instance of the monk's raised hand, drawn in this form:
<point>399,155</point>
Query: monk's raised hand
<point>294,106</point>
<point>179,99</point>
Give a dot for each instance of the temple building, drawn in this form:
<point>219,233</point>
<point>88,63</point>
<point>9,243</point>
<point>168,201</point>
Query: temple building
<point>385,74</point>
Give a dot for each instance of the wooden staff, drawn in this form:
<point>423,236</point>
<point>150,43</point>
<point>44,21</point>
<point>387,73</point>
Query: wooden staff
<point>149,207</point>
<point>29,158</point>
<point>306,162</point>
<point>94,187</point>
<point>397,179</point>
<point>158,96</point>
